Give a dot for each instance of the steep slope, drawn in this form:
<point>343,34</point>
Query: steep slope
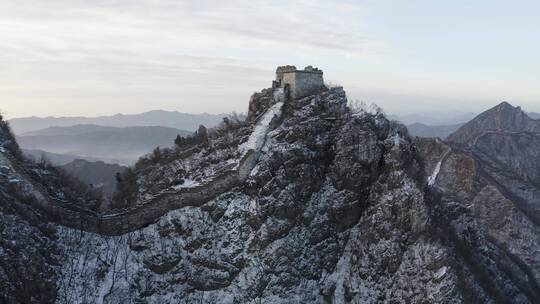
<point>486,188</point>
<point>507,142</point>
<point>307,201</point>
<point>29,253</point>
<point>295,230</point>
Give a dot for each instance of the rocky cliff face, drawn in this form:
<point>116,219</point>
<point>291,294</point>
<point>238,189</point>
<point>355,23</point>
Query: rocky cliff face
<point>485,194</point>
<point>339,206</point>
<point>333,211</point>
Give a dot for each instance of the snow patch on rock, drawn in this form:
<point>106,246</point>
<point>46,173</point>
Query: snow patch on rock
<point>440,273</point>
<point>188,183</point>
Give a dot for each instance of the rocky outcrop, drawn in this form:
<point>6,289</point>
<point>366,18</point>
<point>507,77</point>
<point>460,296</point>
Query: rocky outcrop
<point>258,104</point>
<point>28,254</point>
<point>326,205</point>
<point>296,230</point>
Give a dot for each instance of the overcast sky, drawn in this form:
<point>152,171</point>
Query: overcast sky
<point>95,57</point>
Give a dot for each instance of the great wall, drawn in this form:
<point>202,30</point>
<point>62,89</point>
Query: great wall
<point>147,212</point>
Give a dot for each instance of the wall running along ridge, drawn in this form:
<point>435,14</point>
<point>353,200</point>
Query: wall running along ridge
<point>70,215</point>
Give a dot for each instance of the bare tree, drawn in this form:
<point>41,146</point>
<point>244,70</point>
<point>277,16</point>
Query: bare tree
<point>359,106</point>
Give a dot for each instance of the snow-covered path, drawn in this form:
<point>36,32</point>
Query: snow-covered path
<point>433,177</point>
<point>257,138</point>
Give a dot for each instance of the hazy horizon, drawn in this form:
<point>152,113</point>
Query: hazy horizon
<point>405,114</point>
<point>79,58</point>
<point>114,114</point>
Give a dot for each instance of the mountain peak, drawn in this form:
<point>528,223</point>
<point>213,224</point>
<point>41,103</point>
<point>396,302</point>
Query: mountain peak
<point>505,106</point>
<point>503,117</point>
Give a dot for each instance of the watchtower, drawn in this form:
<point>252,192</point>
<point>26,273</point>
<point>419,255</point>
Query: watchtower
<point>298,83</point>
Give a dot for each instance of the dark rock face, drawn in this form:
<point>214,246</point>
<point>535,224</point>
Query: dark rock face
<point>341,206</point>
<point>202,133</point>
<point>505,145</point>
<point>511,160</point>
<point>258,103</point>
<point>28,256</point>
<point>486,197</point>
<point>29,251</point>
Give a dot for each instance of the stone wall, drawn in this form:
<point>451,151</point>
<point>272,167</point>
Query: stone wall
<point>143,215</point>
<point>148,213</point>
<point>71,215</point>
<point>303,84</point>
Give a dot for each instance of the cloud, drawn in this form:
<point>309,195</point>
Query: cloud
<point>57,50</point>
<point>184,25</point>
<point>169,35</point>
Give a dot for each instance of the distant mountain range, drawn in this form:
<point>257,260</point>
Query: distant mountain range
<point>434,119</point>
<point>177,120</point>
<point>94,142</point>
<point>122,139</point>
<point>62,159</point>
<point>534,115</point>
<point>71,130</point>
<point>423,130</point>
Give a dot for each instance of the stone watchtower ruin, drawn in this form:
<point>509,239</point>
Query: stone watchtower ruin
<point>294,84</point>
